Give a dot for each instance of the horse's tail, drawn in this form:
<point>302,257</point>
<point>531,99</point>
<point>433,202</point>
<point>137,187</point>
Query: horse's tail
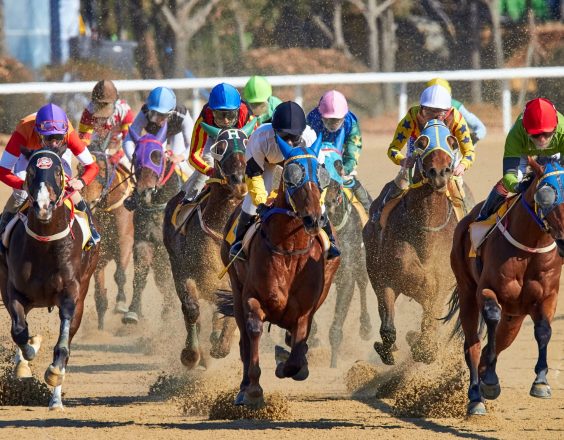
<point>224,302</point>
<point>453,311</point>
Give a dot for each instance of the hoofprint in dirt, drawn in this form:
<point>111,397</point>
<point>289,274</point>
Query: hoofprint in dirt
<point>108,381</point>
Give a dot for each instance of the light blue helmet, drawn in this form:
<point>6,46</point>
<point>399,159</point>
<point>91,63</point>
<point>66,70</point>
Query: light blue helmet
<point>224,97</point>
<point>161,100</point>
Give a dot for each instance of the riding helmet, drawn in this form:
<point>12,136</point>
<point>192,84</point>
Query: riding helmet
<point>257,90</point>
<point>539,116</point>
<point>436,97</point>
<point>224,97</point>
<point>333,104</point>
<point>161,100</point>
<point>51,119</point>
<point>289,118</point>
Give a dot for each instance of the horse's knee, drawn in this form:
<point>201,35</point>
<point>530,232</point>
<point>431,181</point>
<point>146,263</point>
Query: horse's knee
<point>143,253</point>
<point>254,327</point>
<point>119,276</point>
<point>20,334</point>
<point>543,332</point>
<point>191,310</point>
<point>491,311</point>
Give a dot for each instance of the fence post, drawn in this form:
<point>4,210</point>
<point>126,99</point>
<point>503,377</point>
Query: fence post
<point>298,95</point>
<point>402,101</point>
<point>506,105</point>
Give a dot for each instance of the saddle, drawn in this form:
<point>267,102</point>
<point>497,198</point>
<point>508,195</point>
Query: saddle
<point>184,212</point>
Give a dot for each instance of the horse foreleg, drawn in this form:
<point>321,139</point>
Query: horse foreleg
<point>345,290</point>
<point>424,348</point>
<point>164,280</point>
<point>123,222</point>
<point>100,295</point>
<point>188,294</point>
<point>489,382</point>
<point>365,324</point>
<point>142,257</point>
<point>20,330</point>
<point>543,332</point>
<point>55,373</point>
<point>253,395</point>
<point>386,303</point>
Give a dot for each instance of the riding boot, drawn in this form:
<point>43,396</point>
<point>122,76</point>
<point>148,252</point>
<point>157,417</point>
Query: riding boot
<point>333,251</point>
<point>245,220</point>
<point>491,205</point>
<point>362,195</point>
<point>95,236</point>
<point>393,192</point>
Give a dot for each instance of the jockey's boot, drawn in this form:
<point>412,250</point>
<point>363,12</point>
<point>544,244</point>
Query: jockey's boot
<point>393,192</point>
<point>95,239</point>
<point>362,195</point>
<point>245,220</point>
<point>491,205</point>
<point>333,251</point>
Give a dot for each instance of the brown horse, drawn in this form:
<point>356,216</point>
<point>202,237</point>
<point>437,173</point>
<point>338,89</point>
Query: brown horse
<point>516,273</point>
<point>287,276</point>
<point>45,266</point>
<point>105,197</point>
<point>194,255</point>
<point>410,254</point>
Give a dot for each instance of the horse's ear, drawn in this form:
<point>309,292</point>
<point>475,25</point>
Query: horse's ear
<point>316,146</point>
<point>249,127</point>
<point>535,166</point>
<point>210,130</point>
<point>161,135</point>
<point>452,142</point>
<point>285,149</point>
<point>133,134</point>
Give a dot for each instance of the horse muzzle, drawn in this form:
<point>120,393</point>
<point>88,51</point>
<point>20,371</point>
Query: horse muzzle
<point>43,213</point>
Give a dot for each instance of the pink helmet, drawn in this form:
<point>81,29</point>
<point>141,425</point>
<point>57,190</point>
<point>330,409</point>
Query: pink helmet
<point>333,104</point>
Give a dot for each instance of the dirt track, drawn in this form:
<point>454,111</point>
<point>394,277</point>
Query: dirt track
<point>110,372</point>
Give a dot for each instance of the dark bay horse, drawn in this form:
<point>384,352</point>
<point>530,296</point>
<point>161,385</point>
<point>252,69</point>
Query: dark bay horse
<point>286,277</point>
<point>516,273</point>
<point>45,266</point>
<point>194,255</point>
<point>156,183</point>
<point>348,224</point>
<point>411,253</point>
<point>105,197</point>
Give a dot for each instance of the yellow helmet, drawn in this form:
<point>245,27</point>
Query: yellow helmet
<point>440,82</point>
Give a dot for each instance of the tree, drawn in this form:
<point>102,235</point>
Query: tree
<point>334,35</point>
<point>147,59</point>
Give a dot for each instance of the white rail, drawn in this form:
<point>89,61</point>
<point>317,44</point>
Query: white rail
<point>300,80</point>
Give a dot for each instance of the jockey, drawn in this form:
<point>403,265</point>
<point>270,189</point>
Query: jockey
<point>258,94</point>
<point>223,110</point>
<point>435,103</point>
<point>49,128</point>
<point>105,122</point>
<point>161,108</point>
<point>538,131</point>
<point>263,157</point>
<point>330,118</point>
<point>477,127</point>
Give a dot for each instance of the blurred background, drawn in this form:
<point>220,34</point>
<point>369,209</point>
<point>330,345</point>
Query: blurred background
<point>79,40</point>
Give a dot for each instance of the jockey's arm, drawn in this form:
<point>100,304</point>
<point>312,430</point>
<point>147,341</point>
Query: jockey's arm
<point>476,125</point>
<point>199,139</point>
<point>126,121</point>
<point>137,126</point>
<point>81,152</point>
<point>85,127</point>
<point>402,134</point>
<point>180,143</point>
<point>255,157</point>
<point>352,148</point>
<point>8,161</point>
<point>461,131</point>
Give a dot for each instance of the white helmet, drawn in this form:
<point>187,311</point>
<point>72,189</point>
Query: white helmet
<point>436,97</point>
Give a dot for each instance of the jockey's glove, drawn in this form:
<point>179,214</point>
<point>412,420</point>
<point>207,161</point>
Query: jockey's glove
<point>262,209</point>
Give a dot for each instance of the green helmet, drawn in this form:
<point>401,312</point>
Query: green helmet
<point>257,89</point>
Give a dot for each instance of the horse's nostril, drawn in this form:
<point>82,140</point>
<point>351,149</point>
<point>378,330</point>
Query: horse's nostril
<point>432,172</point>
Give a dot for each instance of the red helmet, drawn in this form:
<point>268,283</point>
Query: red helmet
<point>539,116</point>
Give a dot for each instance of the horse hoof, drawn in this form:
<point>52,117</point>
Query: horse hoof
<point>280,354</point>
<point>22,370</point>
<point>490,392</point>
<point>190,358</point>
<point>302,374</point>
<point>385,354</point>
<point>239,399</point>
<point>120,307</point>
<point>279,372</point>
<point>476,409</point>
<point>218,353</point>
<point>56,404</point>
<point>130,318</point>
<point>541,391</point>
<point>254,400</point>
<point>54,376</point>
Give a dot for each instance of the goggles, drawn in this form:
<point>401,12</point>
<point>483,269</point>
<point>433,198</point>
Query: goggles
<point>52,126</point>
<point>546,134</point>
<point>433,112</point>
<point>259,108</point>
<point>155,116</point>
<point>332,124</point>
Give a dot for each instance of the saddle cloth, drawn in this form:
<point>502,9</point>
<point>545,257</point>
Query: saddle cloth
<point>183,212</point>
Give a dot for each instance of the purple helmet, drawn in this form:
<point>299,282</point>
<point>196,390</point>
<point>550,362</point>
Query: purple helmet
<point>51,119</point>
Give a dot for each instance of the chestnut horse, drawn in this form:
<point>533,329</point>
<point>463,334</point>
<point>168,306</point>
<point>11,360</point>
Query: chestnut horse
<point>45,266</point>
<point>516,273</point>
<point>194,253</point>
<point>411,253</point>
<point>156,183</point>
<point>286,276</point>
<point>352,271</point>
<point>105,197</point>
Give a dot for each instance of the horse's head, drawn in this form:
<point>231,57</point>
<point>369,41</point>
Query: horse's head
<point>45,183</point>
<point>548,196</point>
<point>228,153</point>
<point>149,162</point>
<point>435,149</point>
<point>333,163</point>
<point>303,180</point>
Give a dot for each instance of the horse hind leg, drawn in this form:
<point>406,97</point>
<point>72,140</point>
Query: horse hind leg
<point>253,395</point>
<point>294,364</point>
<point>345,290</point>
<point>142,257</point>
<point>540,387</point>
<point>120,279</point>
<point>489,382</point>
<point>365,324</point>
<point>222,335</point>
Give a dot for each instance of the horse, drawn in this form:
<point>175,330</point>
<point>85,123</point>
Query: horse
<point>194,252</point>
<point>156,183</point>
<point>514,273</point>
<point>45,265</point>
<point>348,225</point>
<point>105,197</point>
<point>286,277</point>
<point>410,253</point>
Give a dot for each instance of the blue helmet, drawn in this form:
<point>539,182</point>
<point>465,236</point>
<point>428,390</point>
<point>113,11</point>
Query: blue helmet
<point>161,100</point>
<point>224,97</point>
